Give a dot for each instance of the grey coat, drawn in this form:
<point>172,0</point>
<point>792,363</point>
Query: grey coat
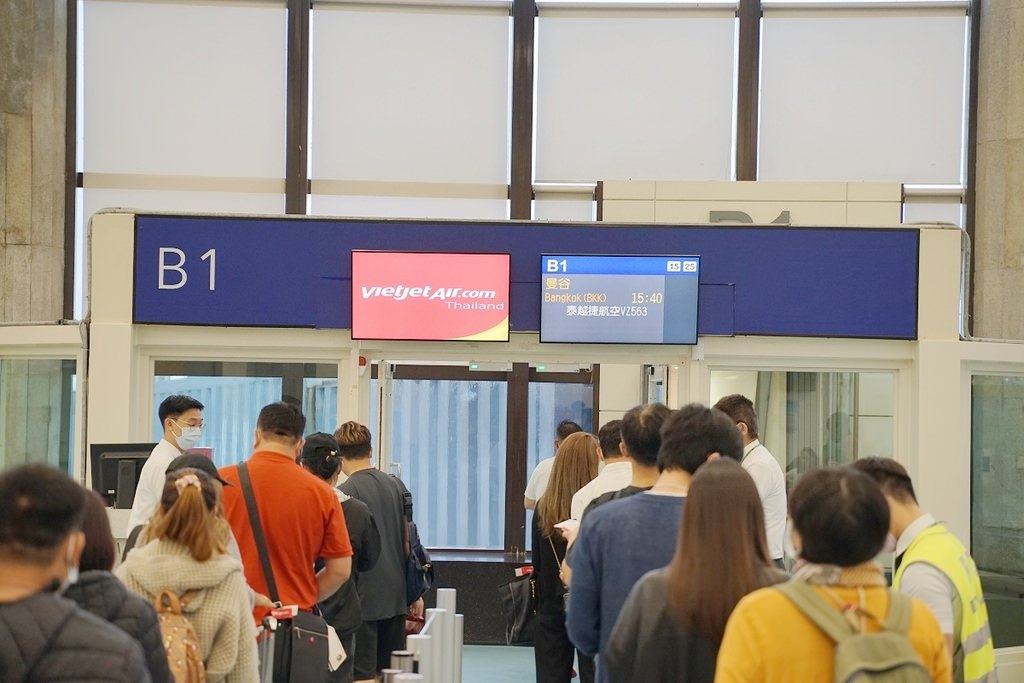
<point>103,594</point>
<point>47,639</point>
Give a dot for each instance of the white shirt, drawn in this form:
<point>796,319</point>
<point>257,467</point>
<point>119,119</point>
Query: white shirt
<point>771,487</point>
<point>151,483</point>
<point>613,477</point>
<point>539,479</point>
<point>926,581</point>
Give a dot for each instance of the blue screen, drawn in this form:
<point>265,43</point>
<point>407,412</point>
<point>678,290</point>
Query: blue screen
<point>619,299</point>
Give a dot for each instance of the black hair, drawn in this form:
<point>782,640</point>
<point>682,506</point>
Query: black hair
<point>39,507</point>
<point>840,514</point>
<point>321,455</point>
<point>740,409</point>
<point>565,428</point>
<point>694,432</point>
<point>641,432</point>
<point>610,438</point>
<point>100,549</point>
<point>890,475</point>
<point>284,420</point>
<point>175,405</point>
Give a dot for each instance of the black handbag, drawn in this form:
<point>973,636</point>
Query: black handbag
<point>292,650</point>
<point>519,603</point>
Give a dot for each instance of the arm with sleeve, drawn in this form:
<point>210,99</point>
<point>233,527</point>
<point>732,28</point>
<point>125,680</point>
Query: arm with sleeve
<point>762,476</point>
<point>370,546</point>
<point>336,550</point>
<point>147,494</point>
<point>739,657</point>
<point>583,620</point>
<point>240,659</point>
<point>924,581</point>
<point>625,646</point>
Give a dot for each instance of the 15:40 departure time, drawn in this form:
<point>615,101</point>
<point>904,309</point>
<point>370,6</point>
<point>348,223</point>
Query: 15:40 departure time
<point>648,298</point>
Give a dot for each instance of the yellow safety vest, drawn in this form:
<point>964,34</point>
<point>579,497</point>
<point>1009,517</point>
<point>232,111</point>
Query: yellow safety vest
<point>941,549</point>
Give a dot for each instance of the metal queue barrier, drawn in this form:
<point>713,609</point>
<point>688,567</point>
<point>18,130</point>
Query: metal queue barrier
<point>434,655</point>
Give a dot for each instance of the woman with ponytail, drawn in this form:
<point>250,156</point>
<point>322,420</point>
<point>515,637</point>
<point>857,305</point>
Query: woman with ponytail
<point>185,555</point>
<point>321,456</point>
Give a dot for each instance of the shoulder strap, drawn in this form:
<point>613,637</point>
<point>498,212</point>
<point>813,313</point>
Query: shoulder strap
<point>48,646</point>
<point>132,539</point>
<point>168,600</point>
<point>898,616</point>
<point>817,609</point>
<point>554,552</point>
<point>257,530</point>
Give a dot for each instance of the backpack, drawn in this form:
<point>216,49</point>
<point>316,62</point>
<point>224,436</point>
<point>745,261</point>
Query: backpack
<point>885,656</point>
<point>419,571</point>
<point>179,638</point>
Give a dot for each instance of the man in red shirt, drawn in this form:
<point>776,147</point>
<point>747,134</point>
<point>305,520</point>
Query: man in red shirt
<point>301,518</point>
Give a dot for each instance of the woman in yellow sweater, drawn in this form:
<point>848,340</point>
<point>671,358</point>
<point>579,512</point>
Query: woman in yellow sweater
<point>840,519</point>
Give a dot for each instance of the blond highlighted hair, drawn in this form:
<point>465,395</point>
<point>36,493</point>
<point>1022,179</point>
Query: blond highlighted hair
<point>575,466</point>
<point>187,514</point>
<point>354,441</point>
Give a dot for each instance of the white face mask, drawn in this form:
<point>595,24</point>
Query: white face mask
<point>890,544</point>
<point>189,437</point>
<point>789,548</point>
<point>72,577</point>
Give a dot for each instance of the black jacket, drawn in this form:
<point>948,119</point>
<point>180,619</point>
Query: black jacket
<point>342,610</point>
<point>102,594</point>
<point>47,639</point>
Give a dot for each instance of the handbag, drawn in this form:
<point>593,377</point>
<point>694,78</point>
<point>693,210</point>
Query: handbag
<point>292,649</point>
<point>519,603</point>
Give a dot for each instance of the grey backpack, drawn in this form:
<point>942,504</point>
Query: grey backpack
<point>884,656</point>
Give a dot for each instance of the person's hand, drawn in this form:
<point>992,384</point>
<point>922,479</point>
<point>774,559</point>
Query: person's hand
<point>416,608</point>
<point>263,601</point>
<point>570,535</point>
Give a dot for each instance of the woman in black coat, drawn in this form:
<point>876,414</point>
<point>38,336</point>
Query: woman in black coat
<point>98,591</point>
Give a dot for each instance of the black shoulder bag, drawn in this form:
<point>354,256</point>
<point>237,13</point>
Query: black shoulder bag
<point>291,650</point>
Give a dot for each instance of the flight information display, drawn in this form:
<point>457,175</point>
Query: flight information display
<point>619,299</point>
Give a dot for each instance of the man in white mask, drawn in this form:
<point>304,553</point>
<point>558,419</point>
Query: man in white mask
<point>182,419</point>
<point>44,638</point>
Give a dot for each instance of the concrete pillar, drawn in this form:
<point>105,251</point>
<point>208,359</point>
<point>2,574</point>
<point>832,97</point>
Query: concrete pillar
<point>999,219</point>
<point>32,141</point>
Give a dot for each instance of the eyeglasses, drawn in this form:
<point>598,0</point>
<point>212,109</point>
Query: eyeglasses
<point>201,425</point>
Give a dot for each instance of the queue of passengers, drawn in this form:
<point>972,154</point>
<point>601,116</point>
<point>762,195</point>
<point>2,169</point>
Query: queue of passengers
<point>193,586</point>
<point>677,576</point>
<point>672,573</point>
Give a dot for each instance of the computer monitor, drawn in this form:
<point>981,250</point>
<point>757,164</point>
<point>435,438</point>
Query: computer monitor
<point>116,468</point>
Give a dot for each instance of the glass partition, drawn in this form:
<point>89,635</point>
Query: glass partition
<point>448,430</point>
<point>549,404</point>
<point>815,419</point>
<point>37,408</point>
<point>234,392</point>
<point>449,438</point>
<point>997,508</point>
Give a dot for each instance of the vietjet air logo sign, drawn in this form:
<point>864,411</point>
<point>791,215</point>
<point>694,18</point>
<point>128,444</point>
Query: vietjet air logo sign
<point>430,296</point>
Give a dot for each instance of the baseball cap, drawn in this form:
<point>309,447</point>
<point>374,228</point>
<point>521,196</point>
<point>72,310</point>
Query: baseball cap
<point>196,461</point>
<point>319,441</point>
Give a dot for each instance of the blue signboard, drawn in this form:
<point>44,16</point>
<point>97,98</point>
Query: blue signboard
<point>619,299</point>
<point>754,280</point>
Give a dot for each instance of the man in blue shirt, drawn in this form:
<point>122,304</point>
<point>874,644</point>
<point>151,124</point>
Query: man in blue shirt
<point>624,539</point>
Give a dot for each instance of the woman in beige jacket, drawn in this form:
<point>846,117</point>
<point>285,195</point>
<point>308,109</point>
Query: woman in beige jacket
<point>186,553</point>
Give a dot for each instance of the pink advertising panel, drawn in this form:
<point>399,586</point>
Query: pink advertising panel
<point>418,296</point>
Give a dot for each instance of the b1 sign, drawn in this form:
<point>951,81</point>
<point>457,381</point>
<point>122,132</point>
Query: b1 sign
<point>430,296</point>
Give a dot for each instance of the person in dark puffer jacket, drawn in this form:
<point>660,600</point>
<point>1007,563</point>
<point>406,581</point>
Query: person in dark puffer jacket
<point>100,592</point>
<point>43,637</point>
